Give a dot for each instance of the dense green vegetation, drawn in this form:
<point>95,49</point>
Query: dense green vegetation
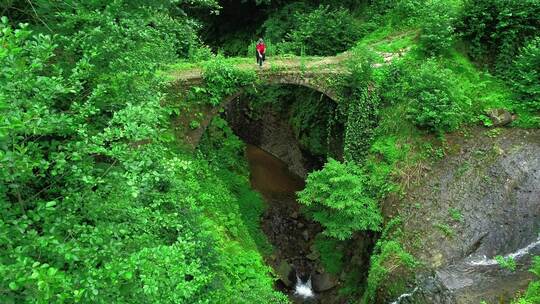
<point>532,294</point>
<point>101,200</point>
<point>335,196</point>
<point>98,202</point>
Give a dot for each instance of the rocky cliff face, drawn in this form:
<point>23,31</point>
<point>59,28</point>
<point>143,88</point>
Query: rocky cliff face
<point>481,201</point>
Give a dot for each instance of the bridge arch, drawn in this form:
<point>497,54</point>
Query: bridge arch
<point>316,81</point>
<point>313,81</point>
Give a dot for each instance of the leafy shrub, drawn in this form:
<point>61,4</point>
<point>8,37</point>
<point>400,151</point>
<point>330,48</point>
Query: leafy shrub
<point>525,75</point>
<point>323,32</point>
<point>283,21</point>
<point>221,146</point>
<point>506,263</point>
<point>198,54</point>
<point>436,101</point>
<point>223,79</point>
<point>437,34</point>
<point>394,83</point>
<point>388,254</point>
<point>336,197</point>
<point>384,155</point>
<point>497,29</point>
<point>397,12</point>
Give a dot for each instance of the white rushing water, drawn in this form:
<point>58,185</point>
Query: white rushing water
<point>303,289</point>
<point>484,261</point>
<point>405,295</point>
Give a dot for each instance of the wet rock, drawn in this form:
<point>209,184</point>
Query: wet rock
<point>323,282</point>
<point>430,290</point>
<point>283,271</point>
<point>500,117</point>
<point>313,256</point>
<point>314,253</point>
<point>294,215</point>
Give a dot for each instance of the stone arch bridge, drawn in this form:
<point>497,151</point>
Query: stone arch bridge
<point>321,74</point>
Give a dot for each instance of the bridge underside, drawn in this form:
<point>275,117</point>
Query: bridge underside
<point>316,81</point>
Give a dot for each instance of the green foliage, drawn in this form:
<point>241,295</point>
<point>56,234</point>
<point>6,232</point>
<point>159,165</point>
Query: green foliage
<point>532,294</point>
<point>358,141</point>
<point>362,106</point>
<point>437,35</point>
<point>388,255</point>
<point>220,146</point>
<point>236,209</point>
<point>336,197</point>
<point>456,215</point>
<point>445,229</point>
<point>497,29</point>
<point>97,201</point>
<point>223,79</point>
<point>194,125</point>
<point>385,153</point>
<point>398,13</point>
<point>331,251</point>
<point>310,116</point>
<point>525,75</point>
<point>283,21</point>
<point>506,262</point>
<point>436,101</point>
<point>323,31</point>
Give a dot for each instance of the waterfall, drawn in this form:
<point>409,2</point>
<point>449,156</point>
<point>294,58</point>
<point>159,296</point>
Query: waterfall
<point>484,261</point>
<point>405,295</point>
<point>303,289</point>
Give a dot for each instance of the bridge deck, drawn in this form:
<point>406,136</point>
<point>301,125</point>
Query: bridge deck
<point>278,65</point>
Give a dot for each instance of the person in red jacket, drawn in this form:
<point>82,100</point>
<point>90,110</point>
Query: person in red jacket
<point>260,52</point>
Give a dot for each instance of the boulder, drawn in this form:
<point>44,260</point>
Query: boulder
<point>283,271</point>
<point>314,254</point>
<point>305,235</point>
<point>324,281</point>
<point>500,117</point>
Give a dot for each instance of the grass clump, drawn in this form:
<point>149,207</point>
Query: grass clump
<point>506,262</point>
<point>388,255</point>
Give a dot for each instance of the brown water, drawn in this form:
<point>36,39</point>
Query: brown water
<point>270,175</point>
<point>287,229</point>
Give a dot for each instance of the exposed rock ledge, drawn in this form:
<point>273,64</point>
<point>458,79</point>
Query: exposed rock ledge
<point>493,182</point>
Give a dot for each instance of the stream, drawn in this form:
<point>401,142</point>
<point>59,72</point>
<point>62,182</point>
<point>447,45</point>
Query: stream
<point>287,229</point>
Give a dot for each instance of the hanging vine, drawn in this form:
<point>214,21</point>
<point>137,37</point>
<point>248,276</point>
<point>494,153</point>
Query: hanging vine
<point>362,120</point>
